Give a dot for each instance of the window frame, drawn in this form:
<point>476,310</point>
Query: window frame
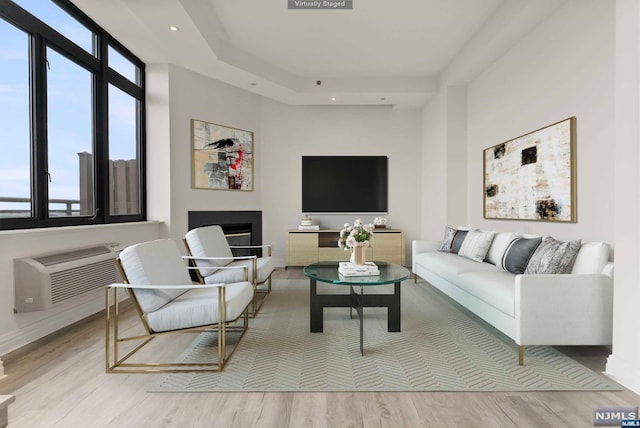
<point>42,36</point>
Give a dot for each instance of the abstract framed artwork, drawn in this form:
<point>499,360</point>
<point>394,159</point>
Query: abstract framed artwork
<point>222,157</point>
<point>533,177</point>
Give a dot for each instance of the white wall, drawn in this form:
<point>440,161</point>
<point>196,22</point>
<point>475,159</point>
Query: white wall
<point>457,149</point>
<point>289,132</point>
<point>564,68</point>
<point>444,161</point>
<point>624,362</point>
<point>17,330</point>
<point>158,144</point>
<point>434,197</point>
<point>194,96</point>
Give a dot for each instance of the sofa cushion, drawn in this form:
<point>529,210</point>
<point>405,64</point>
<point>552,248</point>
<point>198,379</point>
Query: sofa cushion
<point>449,265</point>
<point>516,258</point>
<point>496,288</point>
<point>592,258</point>
<point>458,240</point>
<point>449,234</point>
<point>553,257</point>
<point>476,244</point>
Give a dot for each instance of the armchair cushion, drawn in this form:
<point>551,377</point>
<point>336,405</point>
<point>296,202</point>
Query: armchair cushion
<point>264,265</point>
<point>140,262</point>
<point>209,241</point>
<point>199,307</point>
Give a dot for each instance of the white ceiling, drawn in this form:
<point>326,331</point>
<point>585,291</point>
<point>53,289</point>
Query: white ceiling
<point>379,52</point>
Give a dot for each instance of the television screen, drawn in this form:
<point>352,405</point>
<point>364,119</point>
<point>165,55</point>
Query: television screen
<point>344,184</point>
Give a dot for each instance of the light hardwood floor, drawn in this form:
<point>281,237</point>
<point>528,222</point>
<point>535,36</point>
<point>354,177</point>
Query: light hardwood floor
<point>60,382</point>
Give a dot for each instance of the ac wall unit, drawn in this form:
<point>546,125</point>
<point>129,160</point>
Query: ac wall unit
<point>45,280</point>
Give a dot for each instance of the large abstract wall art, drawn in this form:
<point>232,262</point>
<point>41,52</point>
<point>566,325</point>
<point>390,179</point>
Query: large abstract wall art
<point>222,157</point>
<point>533,177</point>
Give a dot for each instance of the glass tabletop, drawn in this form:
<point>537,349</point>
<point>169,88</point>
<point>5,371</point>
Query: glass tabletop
<point>328,272</point>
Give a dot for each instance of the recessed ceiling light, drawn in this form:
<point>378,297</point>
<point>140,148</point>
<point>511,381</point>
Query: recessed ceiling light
<point>174,28</point>
<point>333,98</point>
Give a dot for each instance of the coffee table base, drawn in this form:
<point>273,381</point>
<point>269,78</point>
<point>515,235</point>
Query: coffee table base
<point>354,300</point>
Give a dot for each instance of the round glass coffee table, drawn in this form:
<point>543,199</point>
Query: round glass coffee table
<point>328,272</point>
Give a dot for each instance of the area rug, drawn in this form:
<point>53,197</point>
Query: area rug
<point>441,347</point>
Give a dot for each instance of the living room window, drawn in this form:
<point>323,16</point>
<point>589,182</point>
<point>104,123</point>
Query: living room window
<point>72,119</point>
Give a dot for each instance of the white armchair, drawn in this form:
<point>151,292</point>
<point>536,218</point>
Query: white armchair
<point>211,253</point>
<point>158,283</point>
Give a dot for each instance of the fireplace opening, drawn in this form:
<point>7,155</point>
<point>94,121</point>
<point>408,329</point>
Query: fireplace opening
<point>240,227</point>
<point>239,234</point>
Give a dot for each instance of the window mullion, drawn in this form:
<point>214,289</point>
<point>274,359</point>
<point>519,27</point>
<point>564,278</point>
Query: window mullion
<point>38,87</point>
<point>101,127</point>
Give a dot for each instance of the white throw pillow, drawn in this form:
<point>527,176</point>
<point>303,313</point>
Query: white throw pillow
<point>592,258</point>
<point>476,244</point>
<point>499,245</point>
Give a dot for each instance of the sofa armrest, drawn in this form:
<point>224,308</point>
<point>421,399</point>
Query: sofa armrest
<point>420,246</point>
<point>575,309</point>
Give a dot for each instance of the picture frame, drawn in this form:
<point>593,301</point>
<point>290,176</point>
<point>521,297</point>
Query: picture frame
<point>533,177</point>
<point>222,157</point>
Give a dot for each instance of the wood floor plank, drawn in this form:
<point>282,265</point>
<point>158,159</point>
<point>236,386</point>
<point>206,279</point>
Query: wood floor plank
<point>59,381</point>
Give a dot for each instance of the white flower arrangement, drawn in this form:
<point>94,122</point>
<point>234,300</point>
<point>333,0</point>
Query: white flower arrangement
<point>380,221</point>
<point>355,235</point>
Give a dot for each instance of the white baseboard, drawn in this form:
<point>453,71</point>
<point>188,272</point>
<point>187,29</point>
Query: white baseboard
<point>623,372</point>
<point>52,320</point>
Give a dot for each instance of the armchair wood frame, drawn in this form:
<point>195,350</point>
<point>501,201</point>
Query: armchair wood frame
<point>116,364</point>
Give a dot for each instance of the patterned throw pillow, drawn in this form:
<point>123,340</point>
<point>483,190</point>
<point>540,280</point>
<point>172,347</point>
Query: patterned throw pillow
<point>449,234</point>
<point>553,257</point>
<point>476,244</point>
<point>516,258</point>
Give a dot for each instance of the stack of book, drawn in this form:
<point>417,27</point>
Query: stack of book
<point>307,224</point>
<point>350,269</point>
<point>310,227</point>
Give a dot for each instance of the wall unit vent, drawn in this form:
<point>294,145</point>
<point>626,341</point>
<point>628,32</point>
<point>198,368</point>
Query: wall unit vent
<point>46,280</point>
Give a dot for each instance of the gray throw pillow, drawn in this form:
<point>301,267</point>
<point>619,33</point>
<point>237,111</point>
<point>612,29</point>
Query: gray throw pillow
<point>516,258</point>
<point>449,234</point>
<point>458,240</point>
<point>553,257</point>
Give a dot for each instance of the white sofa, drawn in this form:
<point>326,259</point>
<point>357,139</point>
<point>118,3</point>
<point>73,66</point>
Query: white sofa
<point>542,309</point>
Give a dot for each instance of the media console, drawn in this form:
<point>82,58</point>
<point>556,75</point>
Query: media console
<point>310,246</point>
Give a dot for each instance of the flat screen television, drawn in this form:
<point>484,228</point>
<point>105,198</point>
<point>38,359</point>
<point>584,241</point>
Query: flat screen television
<point>344,184</point>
